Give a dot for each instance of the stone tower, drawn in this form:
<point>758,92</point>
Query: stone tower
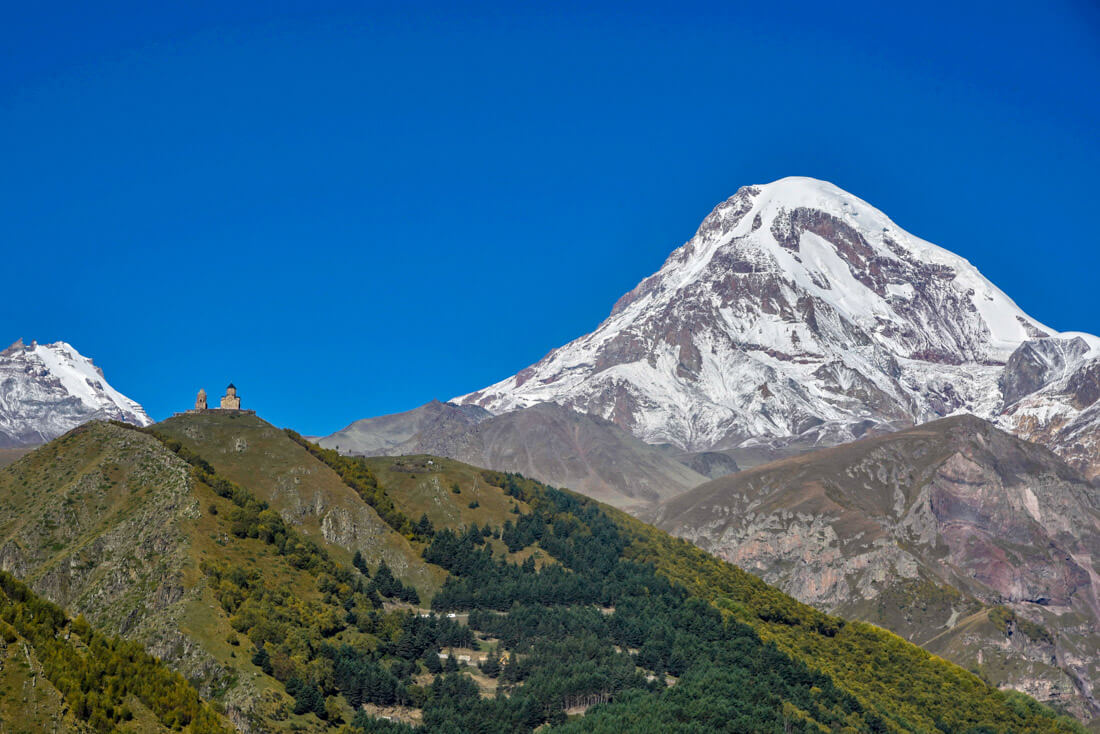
<point>230,401</point>
<point>200,401</point>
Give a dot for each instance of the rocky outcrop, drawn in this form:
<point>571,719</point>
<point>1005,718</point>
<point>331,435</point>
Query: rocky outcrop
<point>1037,363</point>
<point>711,464</point>
<point>1052,396</point>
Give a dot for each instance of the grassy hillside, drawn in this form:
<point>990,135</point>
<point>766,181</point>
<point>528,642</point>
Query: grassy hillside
<point>89,681</point>
<point>114,524</point>
<point>302,578</point>
<point>103,522</point>
<point>248,450</point>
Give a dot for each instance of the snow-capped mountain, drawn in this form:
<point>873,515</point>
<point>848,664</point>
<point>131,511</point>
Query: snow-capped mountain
<point>48,389</point>
<point>798,314</point>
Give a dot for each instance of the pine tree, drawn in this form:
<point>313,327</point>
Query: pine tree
<point>262,660</point>
<point>385,582</point>
<point>309,700</point>
<point>408,594</point>
<point>360,563</point>
<point>491,665</point>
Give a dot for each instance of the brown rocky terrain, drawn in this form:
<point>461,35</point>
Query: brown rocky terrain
<point>7,456</point>
<point>956,535</point>
<point>379,436</point>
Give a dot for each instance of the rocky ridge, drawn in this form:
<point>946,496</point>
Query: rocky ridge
<point>1052,396</point>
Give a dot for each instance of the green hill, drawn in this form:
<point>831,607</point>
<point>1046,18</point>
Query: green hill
<point>292,587</point>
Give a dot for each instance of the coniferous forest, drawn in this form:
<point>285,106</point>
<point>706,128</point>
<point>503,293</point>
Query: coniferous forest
<point>590,626</point>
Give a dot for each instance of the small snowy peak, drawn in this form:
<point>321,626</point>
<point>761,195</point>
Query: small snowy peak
<point>82,378</point>
<point>797,312</point>
<point>48,389</point>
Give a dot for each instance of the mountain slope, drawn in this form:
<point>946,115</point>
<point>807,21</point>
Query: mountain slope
<point>954,534</point>
<point>554,444</point>
<point>568,604</point>
<point>47,389</point>
<point>64,676</point>
<point>250,451</point>
<point>797,315</point>
<point>384,434</point>
<point>113,524</point>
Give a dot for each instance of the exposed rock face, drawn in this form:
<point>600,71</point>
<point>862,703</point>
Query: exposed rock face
<point>797,316</point>
<point>1037,363</point>
<point>923,531</point>
<point>49,389</point>
<point>1052,395</point>
<point>554,444</point>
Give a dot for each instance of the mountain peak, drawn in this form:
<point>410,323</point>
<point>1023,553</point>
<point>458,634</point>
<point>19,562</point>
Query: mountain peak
<point>52,388</point>
<point>797,313</point>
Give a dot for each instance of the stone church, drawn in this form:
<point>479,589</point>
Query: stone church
<point>230,402</point>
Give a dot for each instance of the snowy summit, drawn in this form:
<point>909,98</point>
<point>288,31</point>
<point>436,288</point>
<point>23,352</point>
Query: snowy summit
<point>48,389</point>
<point>798,315</point>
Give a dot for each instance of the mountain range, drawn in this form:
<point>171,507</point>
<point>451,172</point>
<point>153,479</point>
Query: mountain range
<point>800,318</point>
<point>804,390</point>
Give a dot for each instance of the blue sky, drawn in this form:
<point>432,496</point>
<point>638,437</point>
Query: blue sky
<point>349,210</point>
